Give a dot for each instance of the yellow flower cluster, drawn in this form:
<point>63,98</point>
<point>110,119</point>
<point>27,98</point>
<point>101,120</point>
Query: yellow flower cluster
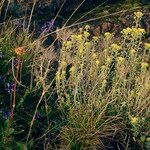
<point>86,34</point>
<point>108,36</point>
<point>95,38</point>
<point>134,120</point>
<point>134,32</point>
<point>132,51</point>
<point>147,45</point>
<point>120,59</point>
<point>144,65</point>
<point>138,14</point>
<point>72,69</point>
<point>87,27</point>
<point>68,44</point>
<point>115,47</point>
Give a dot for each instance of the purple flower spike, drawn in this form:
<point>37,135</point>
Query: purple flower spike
<point>2,79</point>
<point>1,54</point>
<point>47,27</point>
<point>10,87</point>
<point>5,114</point>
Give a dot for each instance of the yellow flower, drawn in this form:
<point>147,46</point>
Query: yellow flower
<point>132,51</point>
<point>108,60</point>
<point>87,44</point>
<point>108,35</point>
<point>97,62</point>
<point>72,69</point>
<point>105,51</point>
<point>81,48</point>
<point>147,45</point>
<point>68,44</point>
<point>63,73</point>
<point>142,31</point>
<point>63,63</point>
<point>120,59</point>
<point>138,14</point>
<point>81,65</point>
<point>103,67</point>
<point>79,37</point>
<point>87,27</point>
<point>148,139</point>
<point>58,75</point>
<point>144,65</point>
<point>94,56</point>
<point>134,120</point>
<point>95,38</point>
<point>86,34</point>
<point>115,47</point>
<point>126,31</point>
<point>20,51</point>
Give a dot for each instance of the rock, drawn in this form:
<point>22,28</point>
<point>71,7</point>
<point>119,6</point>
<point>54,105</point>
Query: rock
<point>106,26</point>
<point>117,28</point>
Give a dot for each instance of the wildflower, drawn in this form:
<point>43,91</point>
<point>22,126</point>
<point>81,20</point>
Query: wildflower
<point>81,49</point>
<point>147,45</point>
<point>10,87</point>
<point>87,44</point>
<point>97,62</point>
<point>105,51</point>
<point>120,59</point>
<point>19,51</point>
<point>103,67</point>
<point>79,37</point>
<point>5,114</point>
<point>73,37</point>
<point>132,51</point>
<point>142,31</point>
<point>86,34</point>
<point>47,27</point>
<point>144,65</point>
<point>63,63</point>
<point>115,47</point>
<point>68,44</point>
<point>142,138</point>
<point>108,35</point>
<point>126,31</point>
<point>95,38</point>
<point>134,120</point>
<point>148,139</point>
<point>58,75</point>
<point>63,73</point>
<point>108,60</point>
<point>80,29</point>
<point>94,56</point>
<point>138,14</point>
<point>72,69</point>
<point>2,78</point>
<point>87,27</point>
<point>81,65</point>
<point>1,54</point>
<point>38,116</point>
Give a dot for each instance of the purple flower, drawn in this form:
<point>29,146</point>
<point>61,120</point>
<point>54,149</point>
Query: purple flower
<point>1,54</point>
<point>37,116</point>
<point>47,27</point>
<point>5,114</point>
<point>2,79</point>
<point>10,87</point>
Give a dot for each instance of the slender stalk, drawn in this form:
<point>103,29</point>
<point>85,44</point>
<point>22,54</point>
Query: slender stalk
<point>33,118</point>
<point>15,89</point>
